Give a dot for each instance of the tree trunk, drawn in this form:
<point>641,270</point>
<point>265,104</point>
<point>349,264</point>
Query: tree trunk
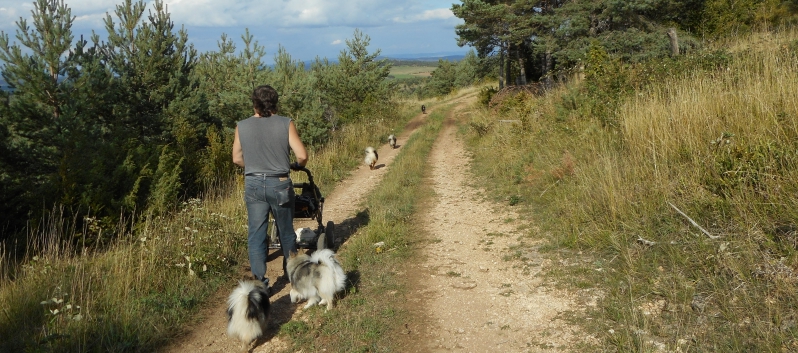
<point>501,68</point>
<point>508,78</point>
<point>674,41</point>
<point>522,75</point>
<point>547,66</point>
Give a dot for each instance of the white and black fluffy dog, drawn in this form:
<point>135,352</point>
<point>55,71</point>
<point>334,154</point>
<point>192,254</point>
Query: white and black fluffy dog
<point>315,277</point>
<point>392,141</point>
<point>371,157</point>
<point>248,312</point>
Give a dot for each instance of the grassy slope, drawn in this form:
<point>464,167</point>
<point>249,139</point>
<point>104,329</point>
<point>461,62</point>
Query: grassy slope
<point>133,294</point>
<point>722,146</point>
<point>401,72</point>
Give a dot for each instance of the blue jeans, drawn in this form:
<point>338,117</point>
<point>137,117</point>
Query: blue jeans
<point>262,194</point>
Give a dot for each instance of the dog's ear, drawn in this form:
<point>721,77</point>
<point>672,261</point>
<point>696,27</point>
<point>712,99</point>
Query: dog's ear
<point>292,254</point>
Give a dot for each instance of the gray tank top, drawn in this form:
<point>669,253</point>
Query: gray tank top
<point>264,142</point>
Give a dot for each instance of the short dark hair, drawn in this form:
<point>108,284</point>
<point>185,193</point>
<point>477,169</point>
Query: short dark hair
<point>264,100</point>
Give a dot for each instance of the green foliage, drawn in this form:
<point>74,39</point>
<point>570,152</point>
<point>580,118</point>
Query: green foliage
<point>443,78</point>
<point>215,158</point>
<point>41,115</point>
<point>542,39</point>
<point>485,95</point>
<point>449,76</point>
<point>467,70</point>
<point>739,165</point>
<point>227,79</point>
<point>605,85</point>
<point>300,100</point>
<point>411,87</point>
<point>352,87</point>
<point>166,182</point>
<point>733,16</point>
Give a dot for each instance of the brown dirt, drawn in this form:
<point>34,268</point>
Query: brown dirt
<point>465,297</point>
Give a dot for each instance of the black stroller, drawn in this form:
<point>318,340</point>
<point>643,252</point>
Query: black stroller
<point>308,204</point>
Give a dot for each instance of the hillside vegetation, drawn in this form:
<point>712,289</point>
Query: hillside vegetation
<point>138,123</point>
<point>138,292</point>
<point>666,191</point>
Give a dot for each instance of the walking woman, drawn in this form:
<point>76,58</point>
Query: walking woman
<point>261,146</point>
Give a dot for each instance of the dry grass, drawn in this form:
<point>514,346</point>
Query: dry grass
<point>720,144</point>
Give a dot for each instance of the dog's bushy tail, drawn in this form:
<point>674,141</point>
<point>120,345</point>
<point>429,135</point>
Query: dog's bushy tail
<point>327,258</point>
<point>248,311</point>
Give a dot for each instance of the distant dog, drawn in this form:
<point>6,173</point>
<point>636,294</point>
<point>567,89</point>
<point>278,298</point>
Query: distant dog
<point>392,141</point>
<point>371,157</point>
<point>315,277</point>
<point>423,109</point>
<point>248,312</point>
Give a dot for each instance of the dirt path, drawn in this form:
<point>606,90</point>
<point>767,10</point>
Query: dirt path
<point>474,300</point>
<point>466,297</point>
<point>342,207</point>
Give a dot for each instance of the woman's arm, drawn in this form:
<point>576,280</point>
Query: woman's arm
<point>296,145</point>
<point>238,153</point>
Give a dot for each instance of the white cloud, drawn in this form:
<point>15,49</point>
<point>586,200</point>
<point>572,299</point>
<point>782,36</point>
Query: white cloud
<point>306,27</point>
<point>428,15</point>
<point>268,13</point>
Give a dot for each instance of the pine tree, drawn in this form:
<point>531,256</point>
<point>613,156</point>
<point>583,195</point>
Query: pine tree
<point>356,82</point>
<point>159,108</point>
<point>32,117</point>
<point>299,98</point>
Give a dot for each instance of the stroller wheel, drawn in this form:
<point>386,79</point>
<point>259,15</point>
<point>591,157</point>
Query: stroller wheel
<point>332,241</point>
<point>327,239</point>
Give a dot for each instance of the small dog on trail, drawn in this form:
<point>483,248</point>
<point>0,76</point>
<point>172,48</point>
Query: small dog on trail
<point>371,157</point>
<point>392,141</point>
<point>248,312</point>
<point>316,277</point>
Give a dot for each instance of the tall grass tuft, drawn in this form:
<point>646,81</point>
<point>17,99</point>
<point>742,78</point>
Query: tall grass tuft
<point>720,144</point>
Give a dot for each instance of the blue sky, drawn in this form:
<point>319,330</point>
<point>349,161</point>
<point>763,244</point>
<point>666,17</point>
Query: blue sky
<point>306,28</point>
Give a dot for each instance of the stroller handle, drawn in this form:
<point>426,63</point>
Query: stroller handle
<point>303,169</point>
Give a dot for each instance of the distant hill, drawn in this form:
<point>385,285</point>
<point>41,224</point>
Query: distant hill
<point>423,59</point>
<point>452,56</point>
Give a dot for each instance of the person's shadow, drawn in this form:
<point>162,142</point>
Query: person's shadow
<point>280,312</point>
<point>349,226</point>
